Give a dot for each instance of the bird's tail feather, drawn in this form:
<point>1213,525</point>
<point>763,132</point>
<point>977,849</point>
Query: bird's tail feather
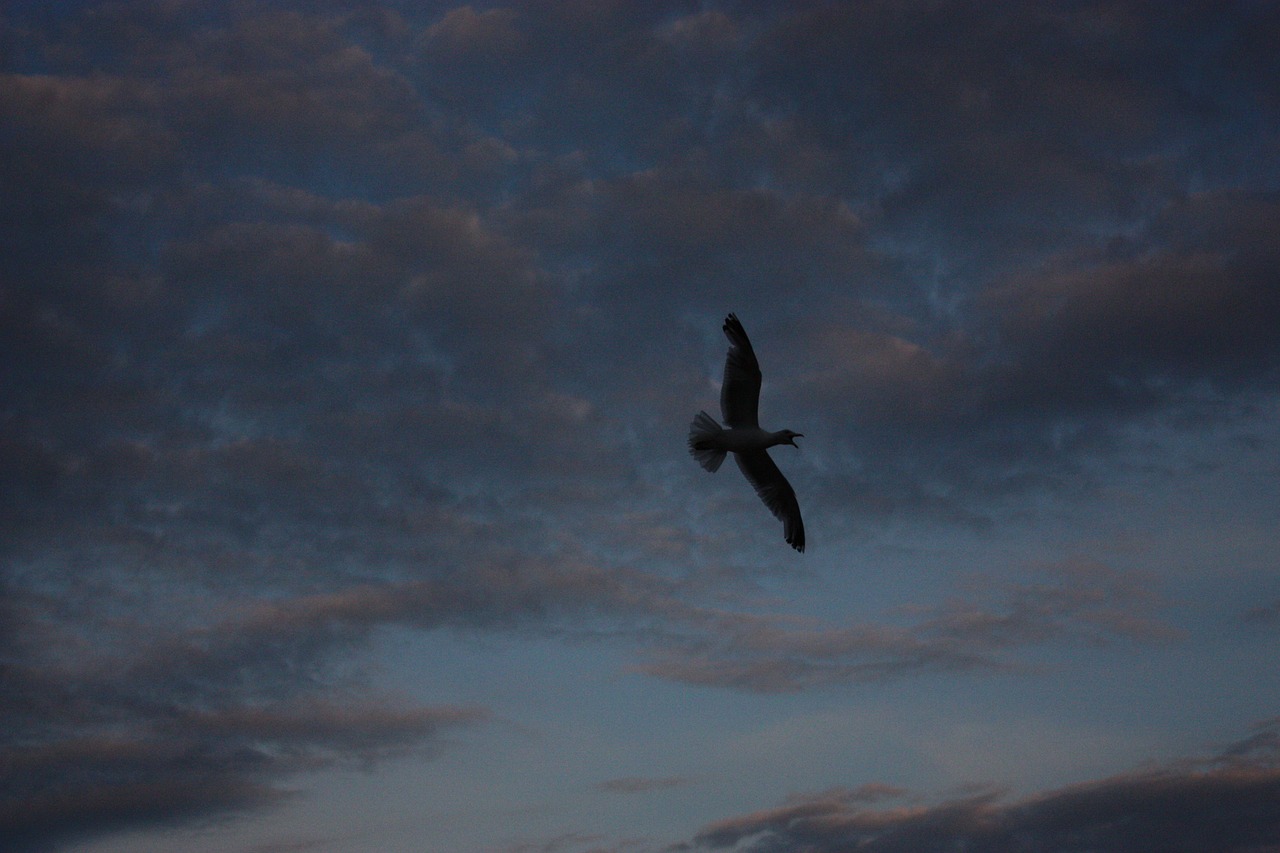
<point>702,432</point>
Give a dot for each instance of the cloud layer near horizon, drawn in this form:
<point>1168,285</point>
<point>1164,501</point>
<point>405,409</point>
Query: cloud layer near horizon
<point>1223,803</point>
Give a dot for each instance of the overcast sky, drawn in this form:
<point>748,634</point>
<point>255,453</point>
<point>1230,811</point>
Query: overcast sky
<point>347,358</point>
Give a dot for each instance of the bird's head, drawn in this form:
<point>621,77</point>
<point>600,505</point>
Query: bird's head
<point>789,437</point>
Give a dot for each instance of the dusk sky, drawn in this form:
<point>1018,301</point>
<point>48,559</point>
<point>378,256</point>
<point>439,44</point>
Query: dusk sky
<point>348,353</point>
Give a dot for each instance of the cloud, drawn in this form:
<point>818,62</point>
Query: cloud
<point>408,264</point>
<point>1191,305</point>
<point>112,722</point>
<point>1047,370</point>
<point>1225,803</point>
<point>120,721</point>
<point>988,139</point>
<point>221,710</point>
<point>690,642</point>
<point>321,321</point>
<point>1133,330</point>
<point>770,654</point>
<point>464,31</point>
<point>129,770</point>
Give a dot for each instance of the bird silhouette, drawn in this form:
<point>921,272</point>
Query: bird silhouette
<point>743,437</point>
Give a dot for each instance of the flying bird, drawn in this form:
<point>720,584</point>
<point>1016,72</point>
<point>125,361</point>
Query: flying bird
<point>743,437</point>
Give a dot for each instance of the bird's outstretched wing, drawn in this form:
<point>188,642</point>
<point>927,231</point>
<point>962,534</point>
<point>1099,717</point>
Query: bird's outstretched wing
<point>740,392</point>
<point>776,493</point>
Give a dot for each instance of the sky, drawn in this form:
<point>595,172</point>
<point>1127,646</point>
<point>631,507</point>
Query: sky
<point>348,353</point>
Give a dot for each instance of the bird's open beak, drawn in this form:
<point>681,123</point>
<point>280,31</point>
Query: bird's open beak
<point>793,440</point>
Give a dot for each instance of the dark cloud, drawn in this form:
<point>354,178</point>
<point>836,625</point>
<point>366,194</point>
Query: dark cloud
<point>193,765</point>
<point>318,318</point>
<point>113,726</point>
<point>491,288</point>
<point>225,707</point>
<point>972,119</point>
<point>1227,803</point>
<point>1196,306</point>
<point>190,731</point>
<point>1048,368</point>
<point>117,718</point>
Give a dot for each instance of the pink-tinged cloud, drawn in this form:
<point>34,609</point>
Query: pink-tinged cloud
<point>1088,603</point>
<point>1228,804</point>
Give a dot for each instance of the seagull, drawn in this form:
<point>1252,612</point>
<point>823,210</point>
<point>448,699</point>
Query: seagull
<point>749,444</point>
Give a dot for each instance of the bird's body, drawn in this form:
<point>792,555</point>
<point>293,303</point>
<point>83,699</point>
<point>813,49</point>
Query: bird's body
<point>744,438</point>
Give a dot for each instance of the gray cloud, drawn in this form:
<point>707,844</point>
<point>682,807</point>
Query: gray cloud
<point>225,707</point>
<point>320,320</point>
<point>192,766</point>
<point>114,726</point>
<point>113,721</point>
<point>1224,803</point>
<point>491,293</point>
<point>1127,331</point>
<point>1018,119</point>
<point>1047,368</point>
